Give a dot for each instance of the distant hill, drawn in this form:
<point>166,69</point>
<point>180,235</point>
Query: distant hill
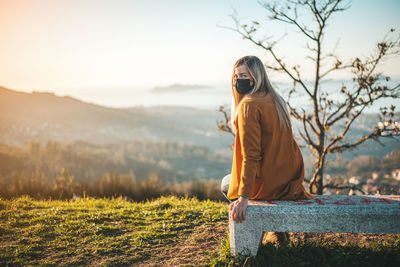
<point>36,108</point>
<point>44,116</point>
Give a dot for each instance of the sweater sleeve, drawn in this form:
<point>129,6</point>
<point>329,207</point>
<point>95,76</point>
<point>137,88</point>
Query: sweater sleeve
<point>250,138</point>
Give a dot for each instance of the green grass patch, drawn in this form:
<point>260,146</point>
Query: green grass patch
<point>97,231</point>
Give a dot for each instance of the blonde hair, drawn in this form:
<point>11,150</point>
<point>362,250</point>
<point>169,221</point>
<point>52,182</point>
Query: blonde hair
<point>261,84</point>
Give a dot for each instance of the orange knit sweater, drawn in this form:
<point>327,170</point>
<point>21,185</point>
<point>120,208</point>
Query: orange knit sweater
<point>267,162</point>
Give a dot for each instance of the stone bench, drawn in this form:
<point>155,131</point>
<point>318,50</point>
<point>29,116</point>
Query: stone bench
<point>324,214</point>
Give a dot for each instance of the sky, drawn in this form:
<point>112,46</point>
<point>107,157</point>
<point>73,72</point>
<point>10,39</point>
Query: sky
<point>77,45</point>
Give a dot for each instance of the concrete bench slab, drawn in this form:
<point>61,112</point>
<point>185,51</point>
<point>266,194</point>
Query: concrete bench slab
<point>324,214</point>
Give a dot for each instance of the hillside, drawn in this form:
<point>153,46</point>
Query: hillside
<point>173,142</point>
<point>88,162</point>
<point>167,231</point>
<point>46,116</point>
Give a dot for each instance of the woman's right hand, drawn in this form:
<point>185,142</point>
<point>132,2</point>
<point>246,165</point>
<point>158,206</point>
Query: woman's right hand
<point>238,208</point>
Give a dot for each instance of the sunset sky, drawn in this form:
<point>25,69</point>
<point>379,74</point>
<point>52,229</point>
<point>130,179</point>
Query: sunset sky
<point>57,45</point>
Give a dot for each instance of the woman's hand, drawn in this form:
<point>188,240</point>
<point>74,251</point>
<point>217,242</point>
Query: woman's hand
<point>238,208</point>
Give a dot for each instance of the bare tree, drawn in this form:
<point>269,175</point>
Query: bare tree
<point>346,105</point>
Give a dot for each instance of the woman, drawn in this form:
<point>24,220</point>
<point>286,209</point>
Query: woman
<point>267,162</point>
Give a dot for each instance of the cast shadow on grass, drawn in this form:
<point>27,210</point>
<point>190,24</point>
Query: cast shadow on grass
<point>314,253</point>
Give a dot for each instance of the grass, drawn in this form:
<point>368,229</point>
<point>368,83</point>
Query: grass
<point>166,231</point>
<point>92,231</point>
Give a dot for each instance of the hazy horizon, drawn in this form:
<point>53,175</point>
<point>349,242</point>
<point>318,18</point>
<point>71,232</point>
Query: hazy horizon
<point>202,98</point>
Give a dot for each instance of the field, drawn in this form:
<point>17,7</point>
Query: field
<point>166,231</point>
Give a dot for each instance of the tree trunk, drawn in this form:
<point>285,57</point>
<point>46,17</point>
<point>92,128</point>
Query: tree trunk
<point>316,183</point>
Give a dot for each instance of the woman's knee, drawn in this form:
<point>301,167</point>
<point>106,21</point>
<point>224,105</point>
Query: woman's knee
<point>225,183</point>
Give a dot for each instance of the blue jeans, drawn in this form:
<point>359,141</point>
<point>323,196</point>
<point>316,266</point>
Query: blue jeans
<point>225,186</point>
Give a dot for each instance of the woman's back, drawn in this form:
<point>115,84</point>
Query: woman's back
<point>266,157</point>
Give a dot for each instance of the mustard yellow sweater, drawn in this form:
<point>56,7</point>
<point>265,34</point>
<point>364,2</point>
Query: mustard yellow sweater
<point>267,162</point>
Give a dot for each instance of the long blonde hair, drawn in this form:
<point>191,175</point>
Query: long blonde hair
<point>261,84</point>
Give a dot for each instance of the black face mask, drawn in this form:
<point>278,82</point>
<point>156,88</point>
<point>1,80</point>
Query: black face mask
<point>243,86</point>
